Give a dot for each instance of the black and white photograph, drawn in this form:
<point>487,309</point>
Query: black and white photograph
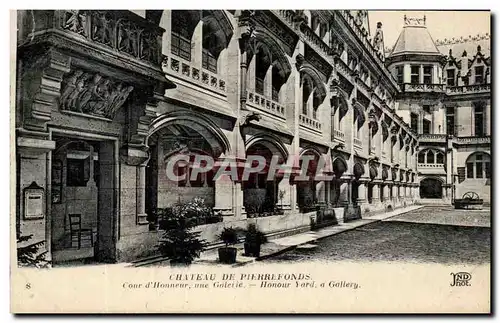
<point>172,141</point>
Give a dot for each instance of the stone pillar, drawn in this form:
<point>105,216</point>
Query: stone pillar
<point>224,196</point>
<point>401,191</point>
<point>386,192</point>
<point>141,194</point>
<point>361,193</point>
<point>320,191</point>
<point>394,192</point>
<point>197,45</point>
<point>268,82</point>
<point>344,193</point>
<point>375,193</point>
<point>285,187</point>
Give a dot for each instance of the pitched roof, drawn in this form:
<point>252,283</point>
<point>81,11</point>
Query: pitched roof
<point>414,39</point>
<point>469,44</point>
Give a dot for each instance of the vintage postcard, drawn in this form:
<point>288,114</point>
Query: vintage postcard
<point>251,161</point>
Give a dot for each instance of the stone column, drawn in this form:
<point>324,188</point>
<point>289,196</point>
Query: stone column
<point>224,196</point>
<point>197,45</point>
<point>361,193</point>
<point>375,193</point>
<point>141,194</point>
<point>344,193</point>
<point>401,191</point>
<point>394,188</point>
<point>386,192</point>
<point>286,202</point>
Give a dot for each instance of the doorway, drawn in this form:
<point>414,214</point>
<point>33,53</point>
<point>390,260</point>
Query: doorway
<point>83,201</point>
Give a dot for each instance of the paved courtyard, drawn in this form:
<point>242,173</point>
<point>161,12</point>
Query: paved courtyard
<point>430,235</point>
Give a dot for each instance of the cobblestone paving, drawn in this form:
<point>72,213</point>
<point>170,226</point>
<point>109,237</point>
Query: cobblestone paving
<point>405,241</point>
<point>447,215</point>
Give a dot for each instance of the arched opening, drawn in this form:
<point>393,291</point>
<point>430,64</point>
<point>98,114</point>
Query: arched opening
<point>261,193</point>
<point>431,188</point>
<point>478,165</point>
<point>358,171</point>
<point>211,26</point>
<point>339,166</point>
<point>313,92</point>
<point>268,68</point>
<point>181,149</point>
<point>183,24</point>
<point>308,190</point>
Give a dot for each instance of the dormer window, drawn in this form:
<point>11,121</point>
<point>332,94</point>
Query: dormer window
<point>479,75</point>
<point>450,77</point>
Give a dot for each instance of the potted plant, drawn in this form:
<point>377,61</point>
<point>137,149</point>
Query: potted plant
<point>227,255</point>
<point>254,238</point>
<point>179,242</point>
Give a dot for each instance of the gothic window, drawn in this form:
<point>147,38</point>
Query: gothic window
<point>426,127</point>
<point>478,166</point>
<point>261,66</point>
<point>430,157</point>
<point>450,77</point>
<point>427,108</point>
<point>450,120</point>
<point>316,102</point>
<point>421,157</point>
<point>479,75</point>
<point>415,74</point>
<point>439,158</point>
<point>478,120</point>
<point>277,81</point>
<point>183,25</point>
<point>428,74</point>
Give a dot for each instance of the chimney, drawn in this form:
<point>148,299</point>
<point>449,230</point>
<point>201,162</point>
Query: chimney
<point>464,64</point>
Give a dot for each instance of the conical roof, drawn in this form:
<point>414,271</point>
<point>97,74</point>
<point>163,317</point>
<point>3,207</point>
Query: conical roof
<point>414,39</point>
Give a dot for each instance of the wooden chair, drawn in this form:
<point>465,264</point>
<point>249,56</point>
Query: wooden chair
<point>77,232</point>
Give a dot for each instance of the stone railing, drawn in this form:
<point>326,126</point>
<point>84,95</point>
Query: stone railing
<point>466,89</point>
<point>178,67</point>
<point>430,165</point>
<point>363,37</point>
<point>119,30</point>
<point>309,122</point>
<point>338,135</point>
<point>432,137</point>
<point>473,140</point>
<point>313,39</point>
<point>264,104</point>
<point>291,18</point>
<point>409,87</point>
<point>343,68</point>
<point>358,143</point>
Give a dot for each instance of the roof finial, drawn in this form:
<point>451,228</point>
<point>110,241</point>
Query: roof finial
<point>405,20</point>
<point>424,20</point>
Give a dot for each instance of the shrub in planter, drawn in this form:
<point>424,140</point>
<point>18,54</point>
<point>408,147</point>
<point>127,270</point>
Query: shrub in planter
<point>179,242</point>
<point>227,255</point>
<point>29,255</point>
<point>254,238</point>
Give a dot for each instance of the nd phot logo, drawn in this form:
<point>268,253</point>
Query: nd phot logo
<point>460,279</point>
